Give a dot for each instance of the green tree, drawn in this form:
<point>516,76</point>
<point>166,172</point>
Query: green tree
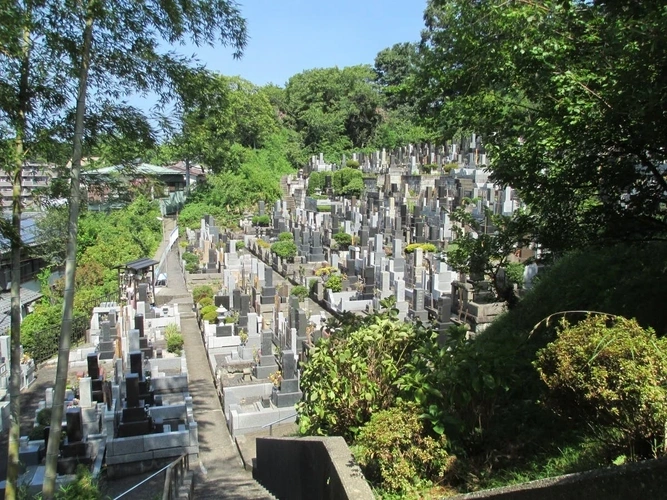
<point>333,109</point>
<point>344,240</point>
<point>222,116</point>
<point>285,249</point>
<point>100,41</point>
<point>394,68</point>
<point>537,78</point>
<point>479,252</point>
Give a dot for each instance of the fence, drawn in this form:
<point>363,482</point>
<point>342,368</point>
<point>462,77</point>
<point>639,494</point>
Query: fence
<point>177,477</point>
<point>45,342</point>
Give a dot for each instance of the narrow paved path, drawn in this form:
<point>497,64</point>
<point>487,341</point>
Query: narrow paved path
<point>221,473</point>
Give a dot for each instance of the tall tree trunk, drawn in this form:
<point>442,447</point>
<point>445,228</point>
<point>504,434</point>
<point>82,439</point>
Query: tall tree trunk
<point>11,490</point>
<point>53,447</point>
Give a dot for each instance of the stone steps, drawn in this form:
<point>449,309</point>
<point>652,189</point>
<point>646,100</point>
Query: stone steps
<point>286,194</point>
<point>246,442</point>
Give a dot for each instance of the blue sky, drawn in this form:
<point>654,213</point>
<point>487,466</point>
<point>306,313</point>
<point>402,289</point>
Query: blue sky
<point>290,36</point>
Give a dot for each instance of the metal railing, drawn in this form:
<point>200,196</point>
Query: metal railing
<point>176,472</point>
<point>270,426</point>
<point>144,481</point>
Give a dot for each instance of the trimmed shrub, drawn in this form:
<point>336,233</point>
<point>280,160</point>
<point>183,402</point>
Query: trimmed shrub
<point>201,291</point>
<point>397,454</point>
<point>284,249</point>
<point>334,283</point>
<point>174,340</point>
<point>299,291</point>
<point>261,220</point>
<point>206,301</point>
<point>426,247</point>
<point>612,374</point>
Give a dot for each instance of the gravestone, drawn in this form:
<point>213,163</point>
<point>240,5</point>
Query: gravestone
<point>142,292</point>
<point>289,393</point>
<point>95,377</point>
<point>133,340</point>
<point>139,324</point>
<point>107,344</point>
<point>226,330</point>
<point>267,361</point>
<point>417,311</point>
<point>132,390</point>
<point>137,363</point>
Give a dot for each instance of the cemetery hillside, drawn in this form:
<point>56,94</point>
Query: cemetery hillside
<point>436,273</point>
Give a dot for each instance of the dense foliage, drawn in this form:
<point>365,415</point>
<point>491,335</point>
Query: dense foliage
<point>612,374</point>
<point>105,240</point>
<point>552,86</point>
<point>396,451</point>
<point>285,249</point>
<point>485,397</point>
<point>354,373</point>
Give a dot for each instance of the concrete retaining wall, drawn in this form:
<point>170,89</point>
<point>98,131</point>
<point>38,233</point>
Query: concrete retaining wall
<point>304,468</point>
<point>645,480</point>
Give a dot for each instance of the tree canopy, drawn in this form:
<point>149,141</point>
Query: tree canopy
<point>570,100</point>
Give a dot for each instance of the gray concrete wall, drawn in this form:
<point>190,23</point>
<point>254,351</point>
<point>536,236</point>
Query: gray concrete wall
<point>305,468</point>
<point>645,480</point>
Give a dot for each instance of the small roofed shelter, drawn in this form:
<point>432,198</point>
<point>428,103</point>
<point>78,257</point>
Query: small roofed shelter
<point>133,274</point>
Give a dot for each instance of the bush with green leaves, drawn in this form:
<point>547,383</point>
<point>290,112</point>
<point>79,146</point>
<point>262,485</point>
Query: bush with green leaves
<point>206,301</point>
<point>240,245</point>
<point>261,220</point>
<point>334,283</point>
<point>84,487</point>
<point>612,374</point>
<point>209,313</point>
<point>284,249</point>
<point>312,285</point>
<point>348,182</point>
<point>354,373</point>
<point>191,262</point>
<point>174,339</point>
<point>426,247</point>
<point>299,291</point>
<point>286,236</point>
<point>201,291</point>
<point>352,164</point>
<point>514,273</point>
<point>316,182</point>
<point>344,240</point>
<point>396,452</point>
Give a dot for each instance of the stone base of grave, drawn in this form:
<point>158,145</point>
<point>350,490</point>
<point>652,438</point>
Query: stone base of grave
<point>263,371</point>
<point>106,355</point>
<point>420,315</point>
<point>267,301</point>
<point>69,465</point>
<point>285,399</point>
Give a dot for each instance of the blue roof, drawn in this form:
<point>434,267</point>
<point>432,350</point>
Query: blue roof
<point>28,228</point>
